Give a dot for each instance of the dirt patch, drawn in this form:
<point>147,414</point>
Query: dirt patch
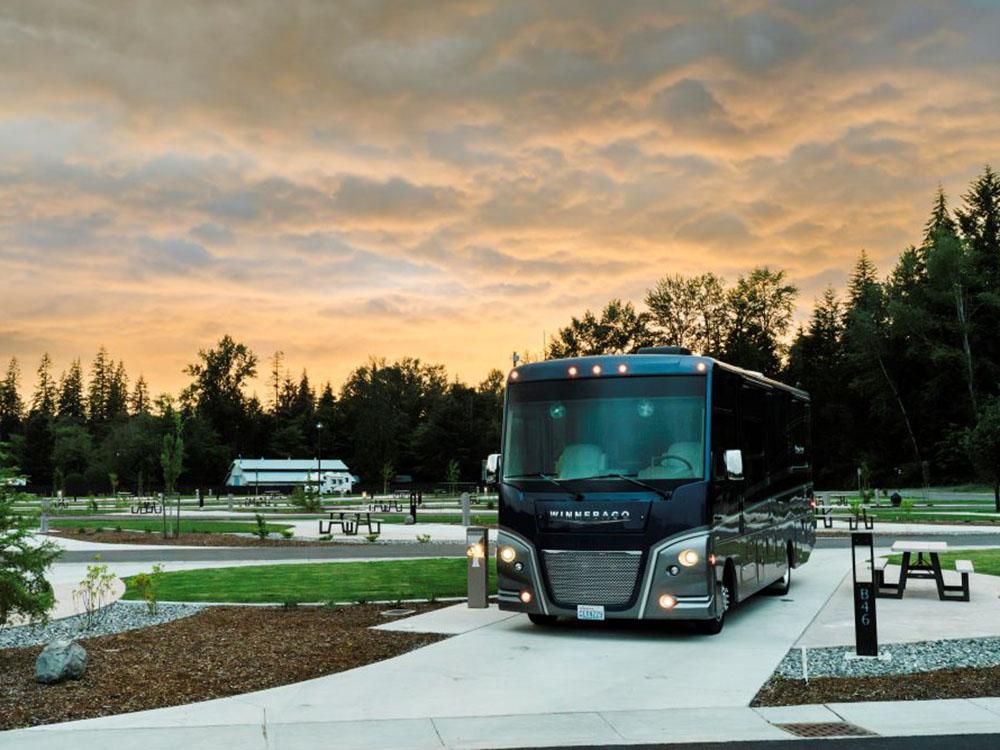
<point>944,683</point>
<point>186,540</point>
<point>218,652</point>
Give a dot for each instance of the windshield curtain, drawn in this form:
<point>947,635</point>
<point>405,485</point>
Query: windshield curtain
<point>650,428</point>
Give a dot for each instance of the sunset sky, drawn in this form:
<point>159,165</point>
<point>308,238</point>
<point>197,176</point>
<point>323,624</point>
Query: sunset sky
<point>450,180</point>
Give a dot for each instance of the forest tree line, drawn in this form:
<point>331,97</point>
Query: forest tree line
<point>903,369</point>
<point>97,432</point>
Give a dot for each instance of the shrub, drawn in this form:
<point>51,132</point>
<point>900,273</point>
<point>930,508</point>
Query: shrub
<point>261,531</point>
<point>146,584</point>
<point>94,594</point>
<point>326,538</point>
<point>287,533</point>
<point>92,505</point>
<point>907,505</point>
<point>24,589</point>
<point>491,505</point>
<point>118,529</point>
<point>855,506</point>
<point>81,530</point>
<point>372,538</point>
<point>423,538</point>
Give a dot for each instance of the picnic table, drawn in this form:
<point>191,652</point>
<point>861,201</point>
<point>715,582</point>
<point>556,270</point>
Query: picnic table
<point>145,506</point>
<point>385,506</point>
<point>923,568</point>
<point>350,522</point>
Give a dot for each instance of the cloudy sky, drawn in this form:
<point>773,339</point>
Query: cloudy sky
<point>449,180</point>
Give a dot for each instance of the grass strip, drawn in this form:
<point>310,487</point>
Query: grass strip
<point>155,524</point>
<point>316,582</point>
<point>984,561</point>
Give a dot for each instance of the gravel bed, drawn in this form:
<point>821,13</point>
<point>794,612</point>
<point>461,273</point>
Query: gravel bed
<point>906,658</point>
<point>116,618</point>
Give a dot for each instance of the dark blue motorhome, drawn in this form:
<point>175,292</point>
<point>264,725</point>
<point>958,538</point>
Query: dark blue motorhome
<point>656,485</point>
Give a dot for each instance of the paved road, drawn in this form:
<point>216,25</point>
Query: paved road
<point>227,554</point>
<point>362,551</point>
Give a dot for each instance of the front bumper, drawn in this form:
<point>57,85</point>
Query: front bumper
<point>692,588</point>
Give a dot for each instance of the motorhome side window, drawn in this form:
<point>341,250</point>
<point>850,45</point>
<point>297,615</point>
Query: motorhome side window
<point>753,411</point>
<point>798,433</point>
<point>779,449</point>
<point>725,421</point>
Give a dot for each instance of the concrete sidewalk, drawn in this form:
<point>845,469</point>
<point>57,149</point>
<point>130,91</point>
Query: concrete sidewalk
<point>256,730</point>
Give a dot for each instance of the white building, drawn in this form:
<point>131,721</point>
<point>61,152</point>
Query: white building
<point>288,473</point>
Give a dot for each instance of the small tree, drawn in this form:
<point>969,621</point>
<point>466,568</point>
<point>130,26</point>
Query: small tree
<point>172,461</point>
<point>984,447</point>
<point>24,590</point>
<point>387,474</point>
<point>453,475</point>
<point>113,481</point>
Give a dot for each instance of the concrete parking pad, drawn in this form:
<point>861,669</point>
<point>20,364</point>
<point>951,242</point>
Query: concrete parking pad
<point>449,620</point>
<point>919,616</point>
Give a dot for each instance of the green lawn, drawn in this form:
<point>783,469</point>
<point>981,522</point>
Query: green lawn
<point>317,582</point>
<point>902,516</point>
<point>155,524</point>
<point>985,561</point>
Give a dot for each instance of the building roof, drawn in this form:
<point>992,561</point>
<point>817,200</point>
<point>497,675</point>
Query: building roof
<point>288,464</point>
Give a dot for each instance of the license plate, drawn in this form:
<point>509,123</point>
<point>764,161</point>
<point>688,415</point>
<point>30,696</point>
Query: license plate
<point>589,612</point>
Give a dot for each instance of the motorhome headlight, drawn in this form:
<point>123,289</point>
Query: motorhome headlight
<point>688,558</point>
<point>508,554</point>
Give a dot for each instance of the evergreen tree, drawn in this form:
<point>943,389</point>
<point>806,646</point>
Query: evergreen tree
<point>11,406</point>
<point>979,220</point>
<point>940,220</point>
<point>118,397</point>
<point>44,399</point>
<point>101,373</point>
<point>72,407</point>
<point>139,400</point>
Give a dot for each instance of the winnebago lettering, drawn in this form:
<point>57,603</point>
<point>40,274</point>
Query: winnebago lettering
<point>658,485</point>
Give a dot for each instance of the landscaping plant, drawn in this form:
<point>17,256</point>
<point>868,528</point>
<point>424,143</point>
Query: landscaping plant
<point>24,590</point>
<point>145,584</point>
<point>94,594</point>
<point>261,531</point>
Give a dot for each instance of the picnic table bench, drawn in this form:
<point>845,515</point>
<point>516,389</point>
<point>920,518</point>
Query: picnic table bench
<point>350,523</point>
<point>928,569</point>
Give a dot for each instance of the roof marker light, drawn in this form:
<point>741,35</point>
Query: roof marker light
<point>622,368</point>
<point>513,374</point>
<point>596,369</point>
<point>572,371</point>
<point>700,367</point>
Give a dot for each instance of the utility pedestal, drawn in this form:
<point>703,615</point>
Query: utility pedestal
<point>477,551</point>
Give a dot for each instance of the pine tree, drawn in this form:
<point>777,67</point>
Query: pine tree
<point>72,407</point>
<point>139,401</point>
<point>117,403</point>
<point>44,400</point>
<point>11,405</point>
<point>940,220</point>
<point>979,220</point>
<point>100,385</point>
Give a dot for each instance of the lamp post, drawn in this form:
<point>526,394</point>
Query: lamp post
<point>319,460</point>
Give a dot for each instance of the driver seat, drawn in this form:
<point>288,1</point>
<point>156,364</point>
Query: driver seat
<point>669,468</point>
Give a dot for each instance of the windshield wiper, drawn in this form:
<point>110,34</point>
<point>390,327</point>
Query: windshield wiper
<point>549,478</point>
<point>633,480</point>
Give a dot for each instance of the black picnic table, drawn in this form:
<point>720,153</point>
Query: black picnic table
<point>927,569</point>
<point>350,522</point>
<point>145,506</point>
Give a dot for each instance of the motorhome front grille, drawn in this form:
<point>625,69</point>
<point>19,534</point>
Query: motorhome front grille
<point>588,577</point>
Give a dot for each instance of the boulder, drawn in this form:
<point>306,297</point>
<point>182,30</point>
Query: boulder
<point>61,660</point>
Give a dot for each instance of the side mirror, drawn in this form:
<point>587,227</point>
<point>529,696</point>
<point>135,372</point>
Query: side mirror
<point>491,471</point>
<point>734,464</point>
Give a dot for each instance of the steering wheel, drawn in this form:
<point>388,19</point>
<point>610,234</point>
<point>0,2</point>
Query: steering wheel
<point>672,457</point>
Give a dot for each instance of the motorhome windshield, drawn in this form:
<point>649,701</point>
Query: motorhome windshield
<point>650,428</point>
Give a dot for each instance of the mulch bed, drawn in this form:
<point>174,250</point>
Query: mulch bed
<point>218,652</point>
<point>944,683</point>
<point>186,540</point>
